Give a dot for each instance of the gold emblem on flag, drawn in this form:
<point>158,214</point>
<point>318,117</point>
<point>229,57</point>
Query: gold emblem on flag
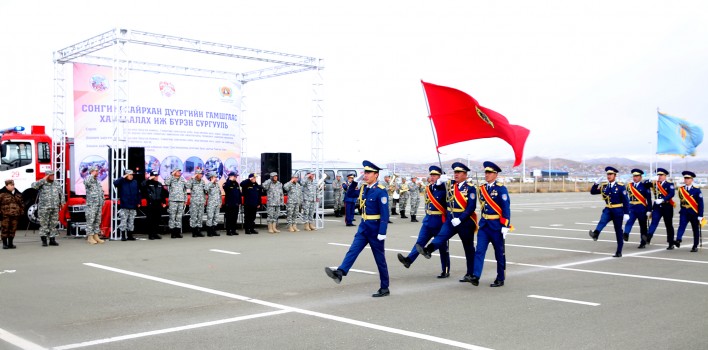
<point>484,117</point>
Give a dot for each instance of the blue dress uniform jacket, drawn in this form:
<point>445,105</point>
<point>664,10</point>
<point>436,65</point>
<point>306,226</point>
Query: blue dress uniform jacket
<point>432,223</point>
<point>467,226</point>
<point>251,193</point>
<point>351,195</point>
<point>374,222</point>
<point>637,209</point>
<point>665,210</point>
<point>490,225</point>
<point>616,205</point>
<point>128,193</point>
<point>688,214</point>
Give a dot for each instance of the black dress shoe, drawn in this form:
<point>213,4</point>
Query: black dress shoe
<point>497,283</point>
<point>381,293</point>
<point>593,235</point>
<point>670,247</point>
<point>617,255</point>
<point>475,281</point>
<point>336,275</point>
<point>422,251</point>
<point>694,250</point>
<point>466,278</point>
<point>626,237</point>
<point>677,243</point>
<point>444,275</point>
<point>404,260</point>
<point>254,232</point>
<point>351,225</point>
<point>642,245</point>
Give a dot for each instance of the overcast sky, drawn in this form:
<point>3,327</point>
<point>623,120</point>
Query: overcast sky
<point>585,77</point>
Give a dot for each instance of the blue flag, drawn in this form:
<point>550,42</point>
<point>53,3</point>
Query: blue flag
<point>677,136</point>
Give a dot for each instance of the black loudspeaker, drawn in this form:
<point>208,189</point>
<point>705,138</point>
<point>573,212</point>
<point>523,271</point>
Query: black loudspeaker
<point>281,163</point>
<point>136,161</point>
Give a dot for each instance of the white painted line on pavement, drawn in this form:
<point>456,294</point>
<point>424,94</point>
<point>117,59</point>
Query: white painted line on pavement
<point>355,270</point>
<point>606,259</point>
<point>19,342</point>
<point>580,230</point>
<point>561,237</point>
<point>292,309</point>
<point>564,300</point>
<point>169,330</point>
<point>555,225</point>
<point>552,203</point>
<point>223,251</point>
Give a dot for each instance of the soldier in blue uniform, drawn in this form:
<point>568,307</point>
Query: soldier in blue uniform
<point>616,206</point>
<point>494,224</point>
<point>372,229</point>
<point>663,207</point>
<point>639,192</point>
<point>435,217</point>
<point>351,193</point>
<point>691,209</point>
<point>461,218</point>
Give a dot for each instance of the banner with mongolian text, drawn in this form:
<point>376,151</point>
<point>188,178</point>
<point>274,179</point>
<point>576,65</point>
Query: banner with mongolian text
<point>182,122</point>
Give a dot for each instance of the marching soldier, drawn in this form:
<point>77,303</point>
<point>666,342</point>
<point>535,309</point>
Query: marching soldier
<point>663,207</point>
<point>197,201</point>
<point>691,210</point>
<point>232,194</point>
<point>461,218</point>
<point>435,217</point>
<point>337,191</point>
<point>94,205</point>
<point>11,208</point>
<point>294,190</point>
<point>251,192</point>
<point>213,205</point>
<point>153,194</point>
<point>309,195</point>
<point>129,196</point>
<point>392,189</point>
<point>494,225</point>
<point>403,192</point>
<point>177,189</point>
<point>350,199</point>
<point>415,189</point>
<point>372,229</point>
<point>616,206</point>
<point>51,198</point>
<point>639,199</point>
<point>274,192</point>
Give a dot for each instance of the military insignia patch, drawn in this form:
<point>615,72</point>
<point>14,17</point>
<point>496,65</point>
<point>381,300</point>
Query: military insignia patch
<point>672,187</point>
<point>472,196</point>
<point>384,200</point>
<point>504,197</point>
<point>484,117</point>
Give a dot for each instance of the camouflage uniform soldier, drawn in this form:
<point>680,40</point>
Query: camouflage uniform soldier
<point>294,190</point>
<point>51,198</point>
<point>196,203</point>
<point>177,189</point>
<point>404,195</point>
<point>337,190</point>
<point>213,205</point>
<point>309,196</point>
<point>415,189</point>
<point>94,206</point>
<point>274,191</point>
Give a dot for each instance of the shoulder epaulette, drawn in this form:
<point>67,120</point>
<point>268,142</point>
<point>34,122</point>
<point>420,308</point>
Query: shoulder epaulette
<point>382,187</point>
<point>499,183</point>
<point>620,183</point>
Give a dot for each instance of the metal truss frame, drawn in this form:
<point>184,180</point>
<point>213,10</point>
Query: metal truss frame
<point>317,141</point>
<point>121,39</point>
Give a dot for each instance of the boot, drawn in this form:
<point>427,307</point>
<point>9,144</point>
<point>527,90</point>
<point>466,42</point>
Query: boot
<point>90,240</point>
<point>338,213</point>
<point>208,231</point>
<point>97,238</point>
<point>290,228</point>
<point>44,241</point>
<point>295,227</point>
<point>123,236</point>
<point>403,214</point>
<point>270,228</point>
<point>313,227</point>
<point>4,243</point>
<point>413,219</point>
<point>229,232</point>
<point>196,232</point>
<point>53,241</point>
<point>172,233</point>
<point>307,226</point>
<point>275,227</point>
<point>213,231</point>
<point>178,232</point>
<point>393,211</point>
<point>130,236</point>
<point>9,242</point>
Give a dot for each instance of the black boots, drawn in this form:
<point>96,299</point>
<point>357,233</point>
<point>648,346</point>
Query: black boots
<point>130,236</point>
<point>211,231</point>
<point>126,236</point>
<point>175,232</point>
<point>413,219</point>
<point>403,214</point>
<point>153,236</point>
<point>9,242</point>
<point>337,213</point>
<point>53,241</point>
<point>196,232</point>
<point>44,241</point>
<point>393,211</point>
<point>4,243</point>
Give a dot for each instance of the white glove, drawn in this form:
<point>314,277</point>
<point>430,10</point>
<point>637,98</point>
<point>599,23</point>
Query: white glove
<point>599,180</point>
<point>648,214</point>
<point>381,237</point>
<point>625,218</point>
<point>455,221</point>
<point>505,231</point>
<point>659,201</point>
<point>443,179</point>
<point>700,218</point>
<point>358,178</point>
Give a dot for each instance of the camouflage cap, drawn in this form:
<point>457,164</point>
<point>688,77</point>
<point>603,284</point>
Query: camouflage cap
<point>93,168</point>
<point>176,170</point>
<point>127,172</point>
<point>273,174</point>
<point>49,172</point>
<point>210,175</point>
<point>198,171</point>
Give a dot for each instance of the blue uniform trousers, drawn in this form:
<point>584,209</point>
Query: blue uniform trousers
<point>349,212</point>
<point>663,211</point>
<point>615,215</point>
<point>465,231</point>
<point>366,234</point>
<point>684,219</point>
<point>485,235</point>
<point>637,212</point>
<point>431,226</point>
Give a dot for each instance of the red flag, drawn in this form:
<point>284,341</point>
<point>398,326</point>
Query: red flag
<point>458,117</point>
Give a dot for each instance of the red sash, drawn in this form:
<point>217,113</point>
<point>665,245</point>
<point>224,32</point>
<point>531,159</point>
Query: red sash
<point>462,202</point>
<point>663,192</point>
<point>492,204</point>
<point>435,203</point>
<point>688,198</point>
<point>638,195</point>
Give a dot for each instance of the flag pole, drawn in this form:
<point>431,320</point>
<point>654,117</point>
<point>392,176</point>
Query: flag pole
<point>432,128</point>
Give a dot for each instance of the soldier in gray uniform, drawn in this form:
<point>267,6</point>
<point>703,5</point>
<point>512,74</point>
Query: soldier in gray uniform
<point>404,193</point>
<point>337,190</point>
<point>51,198</point>
<point>94,206</point>
<point>196,203</point>
<point>177,189</point>
<point>309,195</point>
<point>213,204</point>
<point>415,189</point>
<point>294,190</point>
<point>274,191</point>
